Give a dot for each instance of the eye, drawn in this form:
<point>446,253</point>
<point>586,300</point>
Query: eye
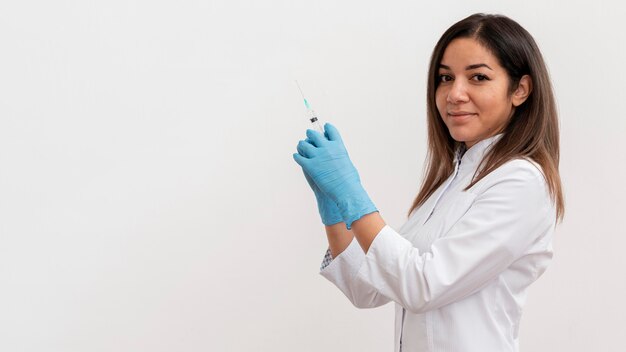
<point>443,78</point>
<point>481,77</point>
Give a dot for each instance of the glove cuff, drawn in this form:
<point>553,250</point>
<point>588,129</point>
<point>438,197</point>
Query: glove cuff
<point>356,205</point>
<point>329,213</point>
<point>328,210</point>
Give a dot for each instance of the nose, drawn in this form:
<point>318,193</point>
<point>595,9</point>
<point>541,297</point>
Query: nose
<point>457,93</point>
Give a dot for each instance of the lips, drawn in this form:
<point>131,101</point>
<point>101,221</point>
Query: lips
<point>460,116</point>
<point>460,113</point>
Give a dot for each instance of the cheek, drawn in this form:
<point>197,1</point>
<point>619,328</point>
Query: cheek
<point>496,99</point>
<point>489,102</point>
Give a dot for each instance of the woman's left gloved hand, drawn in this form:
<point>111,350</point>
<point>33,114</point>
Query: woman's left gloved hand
<point>327,163</point>
<point>327,208</point>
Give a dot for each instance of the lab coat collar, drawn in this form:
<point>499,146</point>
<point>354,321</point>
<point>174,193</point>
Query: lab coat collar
<point>475,154</point>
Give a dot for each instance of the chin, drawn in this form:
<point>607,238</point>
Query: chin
<point>461,136</point>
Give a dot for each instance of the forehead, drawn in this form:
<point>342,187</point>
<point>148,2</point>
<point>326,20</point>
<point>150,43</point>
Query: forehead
<point>462,52</point>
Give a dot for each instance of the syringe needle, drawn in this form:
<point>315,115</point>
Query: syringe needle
<point>300,89</point>
<point>312,115</point>
<point>306,103</point>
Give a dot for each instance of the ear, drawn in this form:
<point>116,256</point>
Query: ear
<point>523,90</point>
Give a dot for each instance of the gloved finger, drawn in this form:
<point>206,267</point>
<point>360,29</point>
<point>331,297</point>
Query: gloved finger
<point>317,138</point>
<point>308,140</point>
<point>305,149</point>
<point>332,132</point>
<point>302,161</point>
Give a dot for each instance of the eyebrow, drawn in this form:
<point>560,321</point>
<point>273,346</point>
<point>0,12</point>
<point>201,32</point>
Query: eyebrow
<point>470,67</point>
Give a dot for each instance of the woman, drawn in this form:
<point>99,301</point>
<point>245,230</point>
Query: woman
<point>480,230</point>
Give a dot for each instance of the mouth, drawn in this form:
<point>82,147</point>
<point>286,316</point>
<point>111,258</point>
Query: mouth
<point>460,117</point>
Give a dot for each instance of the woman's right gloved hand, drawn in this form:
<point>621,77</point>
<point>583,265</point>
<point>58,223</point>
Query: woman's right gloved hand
<point>327,208</point>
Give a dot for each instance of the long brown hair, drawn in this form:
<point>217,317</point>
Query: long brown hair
<point>532,131</point>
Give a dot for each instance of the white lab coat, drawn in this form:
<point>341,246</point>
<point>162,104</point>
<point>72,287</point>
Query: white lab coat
<point>459,268</point>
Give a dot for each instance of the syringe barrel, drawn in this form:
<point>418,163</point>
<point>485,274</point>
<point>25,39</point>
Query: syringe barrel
<point>317,125</point>
<point>315,121</point>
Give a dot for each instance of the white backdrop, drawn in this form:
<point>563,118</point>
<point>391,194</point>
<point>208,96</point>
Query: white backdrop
<point>149,200</point>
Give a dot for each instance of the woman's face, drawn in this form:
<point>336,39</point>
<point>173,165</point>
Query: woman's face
<point>472,94</point>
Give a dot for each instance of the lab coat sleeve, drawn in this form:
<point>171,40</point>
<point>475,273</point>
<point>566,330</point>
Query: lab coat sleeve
<point>505,220</point>
<point>342,272</point>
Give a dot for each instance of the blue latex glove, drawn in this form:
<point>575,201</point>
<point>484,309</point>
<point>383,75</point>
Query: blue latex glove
<point>327,208</point>
<point>326,161</point>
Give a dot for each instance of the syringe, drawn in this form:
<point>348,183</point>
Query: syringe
<point>312,115</point>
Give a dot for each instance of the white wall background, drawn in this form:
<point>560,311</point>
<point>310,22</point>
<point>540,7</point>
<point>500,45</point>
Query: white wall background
<point>149,200</point>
